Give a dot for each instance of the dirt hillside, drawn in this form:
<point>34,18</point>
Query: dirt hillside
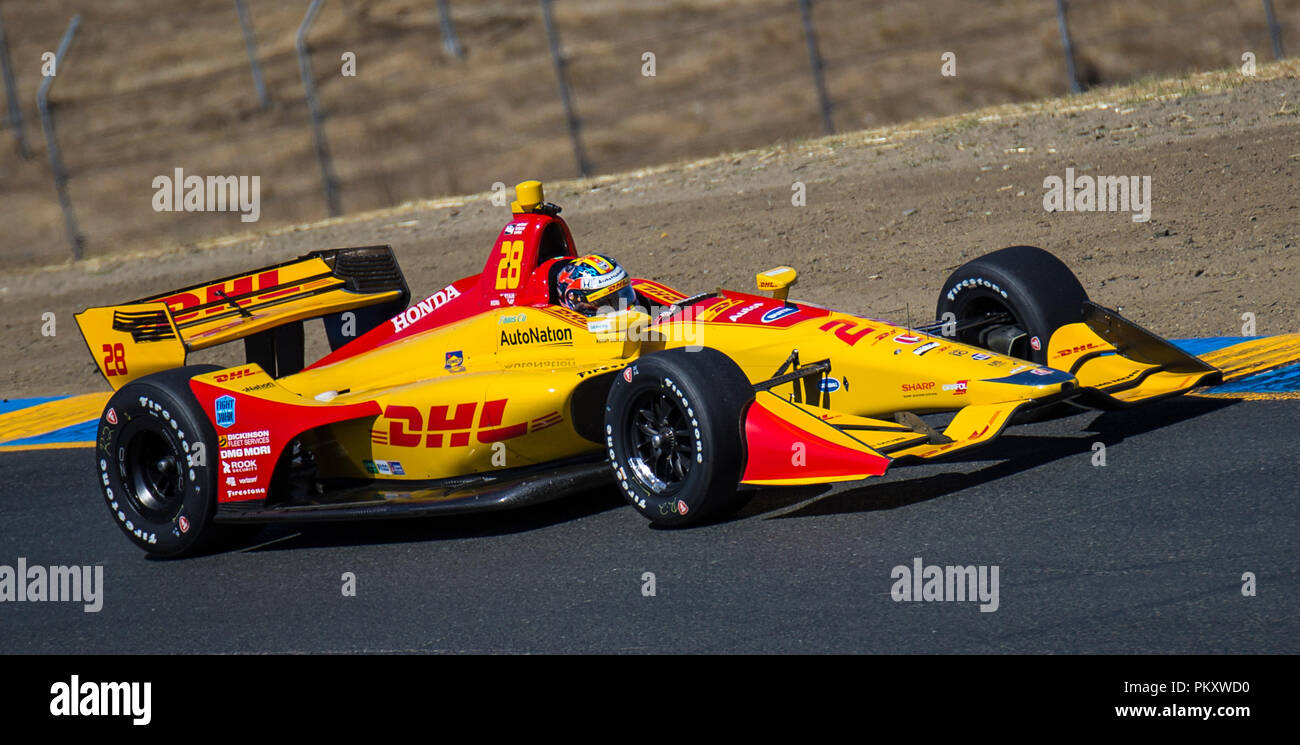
<point>154,85</point>
<point>889,213</point>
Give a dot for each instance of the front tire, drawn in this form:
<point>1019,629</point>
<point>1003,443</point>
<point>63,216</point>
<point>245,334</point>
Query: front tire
<point>674,436</point>
<point>1035,289</point>
<point>155,460</point>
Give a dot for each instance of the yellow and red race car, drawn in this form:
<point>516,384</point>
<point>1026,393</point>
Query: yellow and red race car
<point>492,393</point>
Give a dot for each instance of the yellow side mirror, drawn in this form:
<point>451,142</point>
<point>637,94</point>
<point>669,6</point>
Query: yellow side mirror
<point>778,281</point>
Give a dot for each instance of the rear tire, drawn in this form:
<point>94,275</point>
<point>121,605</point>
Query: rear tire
<point>1035,288</point>
<point>155,456</point>
<point>674,435</point>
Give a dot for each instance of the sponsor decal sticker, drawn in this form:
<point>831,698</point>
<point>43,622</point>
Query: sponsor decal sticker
<point>981,356</point>
<point>907,339</point>
<point>241,439</point>
<point>958,388</point>
<point>424,307</point>
<point>627,373</point>
<point>779,313</point>
<point>455,362</point>
<point>111,416</point>
<point>184,524</point>
<point>830,385</point>
<point>912,387</point>
<point>1035,343</point>
<point>248,452</point>
<point>225,408</point>
<point>928,346</point>
<point>536,336</point>
<point>682,507</point>
<point>744,311</point>
<point>239,466</point>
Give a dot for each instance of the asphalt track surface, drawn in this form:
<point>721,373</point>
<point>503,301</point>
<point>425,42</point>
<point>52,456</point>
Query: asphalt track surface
<point>1143,555</point>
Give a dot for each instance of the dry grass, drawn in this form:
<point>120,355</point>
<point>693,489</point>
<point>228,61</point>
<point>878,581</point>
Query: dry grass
<point>149,88</point>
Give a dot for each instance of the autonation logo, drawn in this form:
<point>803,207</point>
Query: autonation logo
<point>921,583</point>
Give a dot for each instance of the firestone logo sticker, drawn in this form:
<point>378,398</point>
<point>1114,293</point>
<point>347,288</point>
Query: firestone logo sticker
<point>225,407</point>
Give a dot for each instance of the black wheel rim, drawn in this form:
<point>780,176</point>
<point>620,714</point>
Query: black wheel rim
<point>992,309</point>
<point>661,442</point>
<point>154,476</point>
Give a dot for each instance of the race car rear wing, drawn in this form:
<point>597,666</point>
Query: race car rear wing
<point>265,307</point>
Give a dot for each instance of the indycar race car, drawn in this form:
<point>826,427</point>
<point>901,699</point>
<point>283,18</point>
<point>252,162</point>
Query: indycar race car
<point>493,392</point>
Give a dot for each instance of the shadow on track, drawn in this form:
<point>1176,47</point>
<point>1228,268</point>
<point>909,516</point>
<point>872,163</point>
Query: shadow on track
<point>450,527</point>
<point>1010,454</point>
<point>1013,453</point>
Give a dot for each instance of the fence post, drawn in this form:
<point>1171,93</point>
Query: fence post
<point>815,57</point>
<point>1274,30</point>
<point>317,121</point>
<point>1068,46</point>
<point>52,144</point>
<point>11,93</point>
<point>584,168</point>
<point>450,41</point>
<point>250,45</point>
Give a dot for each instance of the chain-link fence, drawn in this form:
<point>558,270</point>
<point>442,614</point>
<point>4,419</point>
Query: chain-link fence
<point>447,97</point>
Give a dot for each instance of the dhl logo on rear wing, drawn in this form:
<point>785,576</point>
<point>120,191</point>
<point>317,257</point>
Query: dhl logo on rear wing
<point>157,333</point>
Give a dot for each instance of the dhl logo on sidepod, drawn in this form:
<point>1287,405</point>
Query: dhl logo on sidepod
<point>453,425</point>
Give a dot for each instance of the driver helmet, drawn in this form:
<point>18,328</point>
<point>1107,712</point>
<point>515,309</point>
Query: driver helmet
<point>592,282</point>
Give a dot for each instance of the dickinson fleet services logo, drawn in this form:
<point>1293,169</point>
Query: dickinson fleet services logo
<point>536,336</point>
<point>225,411</point>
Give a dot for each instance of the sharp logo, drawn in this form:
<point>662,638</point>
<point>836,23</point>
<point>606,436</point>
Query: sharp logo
<point>549,336</point>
